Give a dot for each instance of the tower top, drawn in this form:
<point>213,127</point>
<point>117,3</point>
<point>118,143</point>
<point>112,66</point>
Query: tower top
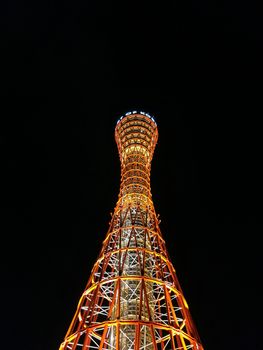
<point>136,112</point>
<point>136,134</point>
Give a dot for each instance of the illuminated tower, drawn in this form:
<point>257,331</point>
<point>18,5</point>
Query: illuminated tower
<point>133,300</point>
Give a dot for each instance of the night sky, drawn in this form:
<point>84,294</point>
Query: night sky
<point>69,70</point>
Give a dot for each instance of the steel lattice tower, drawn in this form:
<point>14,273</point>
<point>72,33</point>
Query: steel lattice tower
<point>133,300</point>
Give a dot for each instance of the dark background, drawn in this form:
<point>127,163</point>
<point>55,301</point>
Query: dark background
<point>69,70</point>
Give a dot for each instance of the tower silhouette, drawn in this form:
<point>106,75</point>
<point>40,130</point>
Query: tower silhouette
<point>133,300</point>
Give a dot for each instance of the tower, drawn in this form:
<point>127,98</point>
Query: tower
<point>133,300</point>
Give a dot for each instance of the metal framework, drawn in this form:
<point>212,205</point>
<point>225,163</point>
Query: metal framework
<point>133,300</point>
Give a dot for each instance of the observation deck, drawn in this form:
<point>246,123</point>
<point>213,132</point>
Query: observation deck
<point>136,133</point>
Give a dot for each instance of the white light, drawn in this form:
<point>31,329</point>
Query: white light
<point>135,112</point>
<point>119,119</point>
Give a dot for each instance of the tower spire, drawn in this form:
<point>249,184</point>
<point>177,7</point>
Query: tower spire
<point>133,300</point>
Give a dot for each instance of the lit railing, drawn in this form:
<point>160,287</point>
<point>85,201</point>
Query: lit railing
<point>135,112</point>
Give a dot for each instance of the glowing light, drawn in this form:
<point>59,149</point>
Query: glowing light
<point>185,302</point>
<point>135,112</point>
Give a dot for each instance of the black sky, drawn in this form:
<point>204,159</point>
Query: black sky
<point>69,70</point>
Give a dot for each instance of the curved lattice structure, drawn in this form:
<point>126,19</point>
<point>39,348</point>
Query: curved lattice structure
<point>133,300</point>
